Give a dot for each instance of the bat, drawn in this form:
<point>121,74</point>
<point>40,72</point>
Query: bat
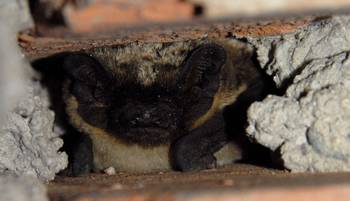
<point>159,106</point>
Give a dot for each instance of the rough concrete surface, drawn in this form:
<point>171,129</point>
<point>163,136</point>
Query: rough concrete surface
<point>281,56</point>
<point>14,16</point>
<point>12,67</point>
<point>310,124</point>
<point>28,145</point>
<point>13,188</point>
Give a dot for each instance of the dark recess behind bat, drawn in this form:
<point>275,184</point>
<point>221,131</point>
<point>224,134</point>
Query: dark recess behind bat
<point>52,78</point>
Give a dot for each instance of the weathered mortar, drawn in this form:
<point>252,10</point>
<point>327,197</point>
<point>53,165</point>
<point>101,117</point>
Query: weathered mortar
<point>309,125</point>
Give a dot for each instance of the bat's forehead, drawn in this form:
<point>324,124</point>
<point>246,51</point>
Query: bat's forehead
<point>145,63</point>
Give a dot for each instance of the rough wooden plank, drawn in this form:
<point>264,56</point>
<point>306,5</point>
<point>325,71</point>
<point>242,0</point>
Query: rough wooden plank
<point>63,41</point>
<point>235,182</point>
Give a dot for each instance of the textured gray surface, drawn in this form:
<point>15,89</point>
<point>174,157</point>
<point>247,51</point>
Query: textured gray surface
<point>310,124</point>
<point>28,145</point>
<point>282,56</point>
<point>13,188</point>
<point>16,143</point>
<point>14,69</point>
<point>15,14</point>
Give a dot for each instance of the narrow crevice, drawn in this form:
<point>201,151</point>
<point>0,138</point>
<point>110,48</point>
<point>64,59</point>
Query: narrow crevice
<point>235,115</point>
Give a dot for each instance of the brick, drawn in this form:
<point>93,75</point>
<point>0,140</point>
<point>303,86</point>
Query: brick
<point>101,13</point>
<point>244,8</point>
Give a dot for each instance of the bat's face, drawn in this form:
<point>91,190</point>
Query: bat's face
<point>153,95</point>
<point>131,111</point>
<point>145,115</point>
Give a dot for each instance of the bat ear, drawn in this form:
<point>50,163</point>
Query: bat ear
<point>81,67</point>
<point>89,80</point>
<point>205,59</point>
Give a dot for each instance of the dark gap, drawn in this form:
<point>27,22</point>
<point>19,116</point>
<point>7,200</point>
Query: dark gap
<point>198,10</point>
<point>288,81</point>
<point>236,114</point>
<point>276,159</point>
<point>52,78</point>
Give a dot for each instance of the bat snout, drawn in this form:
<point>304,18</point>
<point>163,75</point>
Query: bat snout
<point>157,115</point>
